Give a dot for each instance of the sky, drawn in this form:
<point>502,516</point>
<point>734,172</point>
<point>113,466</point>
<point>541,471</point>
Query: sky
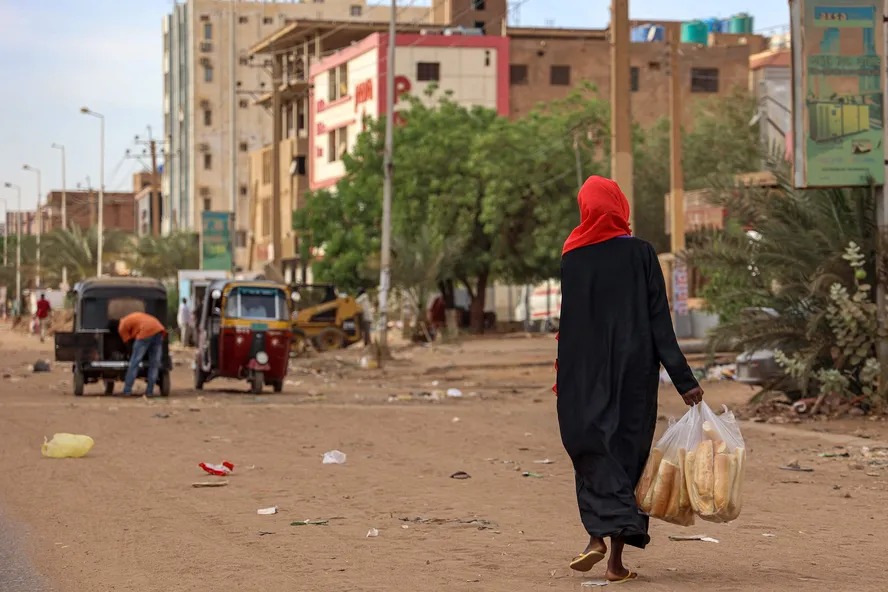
<point>57,56</point>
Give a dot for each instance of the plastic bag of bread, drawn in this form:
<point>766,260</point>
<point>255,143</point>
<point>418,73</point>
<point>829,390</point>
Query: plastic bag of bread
<point>662,490</point>
<point>696,467</point>
<point>715,466</point>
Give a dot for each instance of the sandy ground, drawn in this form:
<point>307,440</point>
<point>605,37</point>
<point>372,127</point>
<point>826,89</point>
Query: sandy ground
<point>126,517</point>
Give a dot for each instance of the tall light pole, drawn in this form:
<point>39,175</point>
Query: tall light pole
<point>64,209</point>
<point>18,246</point>
<point>5,231</point>
<point>28,167</point>
<point>100,231</point>
<point>385,271</point>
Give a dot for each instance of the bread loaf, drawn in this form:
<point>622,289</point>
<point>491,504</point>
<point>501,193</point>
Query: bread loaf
<point>647,478</point>
<point>737,484</point>
<point>710,432</point>
<point>684,500</point>
<point>662,489</point>
<point>704,479</point>
<point>725,469</point>
<point>672,508</point>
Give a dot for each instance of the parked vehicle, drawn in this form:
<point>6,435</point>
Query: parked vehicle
<point>193,285</point>
<point>325,318</point>
<point>98,354</point>
<point>244,333</point>
<point>544,301</point>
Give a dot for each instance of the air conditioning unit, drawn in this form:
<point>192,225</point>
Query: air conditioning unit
<point>204,61</point>
<point>203,147</point>
<point>206,46</point>
<point>204,191</point>
<point>204,104</point>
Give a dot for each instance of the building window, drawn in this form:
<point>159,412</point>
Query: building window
<point>243,190</point>
<point>208,161</point>
<point>243,20</point>
<point>480,26</point>
<point>704,80</point>
<point>337,83</point>
<point>204,18</point>
<point>208,73</point>
<point>633,79</point>
<point>559,76</point>
<point>267,20</point>
<point>337,144</point>
<point>208,31</point>
<point>207,204</point>
<point>208,117</point>
<point>240,239</point>
<point>355,10</point>
<point>428,71</point>
<point>243,147</point>
<point>478,4</point>
<point>518,74</point>
<point>243,61</point>
<point>243,103</point>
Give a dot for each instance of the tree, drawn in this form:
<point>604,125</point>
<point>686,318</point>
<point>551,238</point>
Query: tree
<point>77,250</point>
<point>162,257</point>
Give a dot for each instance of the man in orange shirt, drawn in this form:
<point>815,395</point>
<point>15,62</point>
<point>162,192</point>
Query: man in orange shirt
<point>147,334</point>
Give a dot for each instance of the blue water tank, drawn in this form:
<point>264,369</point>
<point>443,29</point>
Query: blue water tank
<point>694,32</point>
<point>713,25</point>
<point>639,34</point>
<point>656,33</point>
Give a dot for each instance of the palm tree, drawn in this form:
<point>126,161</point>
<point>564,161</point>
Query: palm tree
<point>162,257</point>
<point>77,250</point>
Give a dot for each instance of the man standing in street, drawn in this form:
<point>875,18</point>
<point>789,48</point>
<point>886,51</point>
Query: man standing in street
<point>147,334</point>
<point>363,301</point>
<point>184,320</point>
<point>42,314</point>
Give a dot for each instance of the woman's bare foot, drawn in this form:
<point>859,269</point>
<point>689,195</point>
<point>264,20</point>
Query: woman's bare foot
<point>616,571</point>
<point>596,544</point>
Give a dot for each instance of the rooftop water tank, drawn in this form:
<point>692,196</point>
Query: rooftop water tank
<point>740,24</point>
<point>694,32</point>
<point>639,34</point>
<point>713,25</point>
<point>656,33</point>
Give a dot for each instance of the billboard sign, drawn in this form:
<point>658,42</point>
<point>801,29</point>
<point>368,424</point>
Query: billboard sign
<point>838,90</point>
<point>216,247</point>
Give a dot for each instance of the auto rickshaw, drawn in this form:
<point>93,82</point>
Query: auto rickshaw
<point>98,354</point>
<point>244,333</point>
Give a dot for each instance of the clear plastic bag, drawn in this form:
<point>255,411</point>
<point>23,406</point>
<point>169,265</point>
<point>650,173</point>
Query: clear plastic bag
<point>697,467</point>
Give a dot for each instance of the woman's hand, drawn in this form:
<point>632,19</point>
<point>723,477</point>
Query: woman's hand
<point>693,396</point>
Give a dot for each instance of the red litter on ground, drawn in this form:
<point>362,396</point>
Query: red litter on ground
<point>219,470</point>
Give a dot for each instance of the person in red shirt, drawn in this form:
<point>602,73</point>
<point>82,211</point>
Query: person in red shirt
<point>42,314</point>
<point>146,333</point>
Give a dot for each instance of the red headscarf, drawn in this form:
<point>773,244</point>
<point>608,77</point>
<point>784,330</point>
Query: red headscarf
<point>604,214</point>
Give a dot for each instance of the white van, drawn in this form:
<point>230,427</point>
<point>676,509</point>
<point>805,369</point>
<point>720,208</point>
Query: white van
<point>545,306</point>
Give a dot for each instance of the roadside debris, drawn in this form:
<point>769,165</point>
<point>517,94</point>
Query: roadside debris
<point>42,366</point>
<point>545,461</point>
<point>594,583</point>
<point>67,446</point>
<point>454,393</point>
<point>310,523</point>
<point>794,466</point>
<point>529,474</point>
<point>372,533</point>
<point>221,470</point>
<point>460,475</point>
<point>334,457</point>
<point>210,484</point>
<point>267,511</point>
<point>162,415</point>
<point>479,523</point>
<point>692,537</point>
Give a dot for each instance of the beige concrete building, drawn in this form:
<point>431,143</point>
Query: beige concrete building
<point>210,83</point>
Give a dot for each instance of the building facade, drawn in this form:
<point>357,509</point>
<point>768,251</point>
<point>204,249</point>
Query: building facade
<point>119,212</point>
<point>210,122</point>
<point>770,79</point>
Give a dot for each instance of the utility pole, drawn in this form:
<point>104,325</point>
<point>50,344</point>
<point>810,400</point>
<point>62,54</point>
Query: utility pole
<point>882,244</point>
<point>385,269</point>
<point>621,117</point>
<point>277,79</point>
<point>232,118</point>
<point>154,198</point>
<point>36,171</point>
<point>676,209</point>
<point>18,246</point>
<point>64,210</point>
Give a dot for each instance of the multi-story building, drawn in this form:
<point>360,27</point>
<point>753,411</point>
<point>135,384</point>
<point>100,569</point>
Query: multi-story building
<point>210,81</point>
<point>82,207</point>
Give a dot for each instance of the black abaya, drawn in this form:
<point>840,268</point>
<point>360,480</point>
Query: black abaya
<point>615,330</point>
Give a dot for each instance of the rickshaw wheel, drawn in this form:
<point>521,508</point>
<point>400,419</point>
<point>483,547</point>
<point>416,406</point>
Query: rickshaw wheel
<point>109,387</point>
<point>165,384</point>
<point>299,344</point>
<point>257,382</point>
<point>78,382</point>
<point>330,339</point>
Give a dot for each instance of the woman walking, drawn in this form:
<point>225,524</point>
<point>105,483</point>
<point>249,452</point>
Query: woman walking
<point>616,330</point>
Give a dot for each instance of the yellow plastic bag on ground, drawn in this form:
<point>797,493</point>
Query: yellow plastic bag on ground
<point>67,446</point>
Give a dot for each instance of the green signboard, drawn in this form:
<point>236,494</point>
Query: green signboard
<point>215,241</point>
<point>838,89</point>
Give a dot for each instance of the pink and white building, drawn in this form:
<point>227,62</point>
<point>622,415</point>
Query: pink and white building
<point>349,86</point>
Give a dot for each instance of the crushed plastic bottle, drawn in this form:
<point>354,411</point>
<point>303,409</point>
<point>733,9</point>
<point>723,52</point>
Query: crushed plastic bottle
<point>67,446</point>
<point>334,457</point>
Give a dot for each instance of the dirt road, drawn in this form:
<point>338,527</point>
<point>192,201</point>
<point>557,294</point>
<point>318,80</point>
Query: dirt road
<point>126,517</point>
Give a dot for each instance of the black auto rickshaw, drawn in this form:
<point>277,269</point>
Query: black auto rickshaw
<point>244,333</point>
<point>99,354</point>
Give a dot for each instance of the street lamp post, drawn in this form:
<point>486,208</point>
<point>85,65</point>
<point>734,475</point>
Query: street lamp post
<point>5,231</point>
<point>18,245</point>
<point>64,209</point>
<point>28,167</point>
<point>100,240</point>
